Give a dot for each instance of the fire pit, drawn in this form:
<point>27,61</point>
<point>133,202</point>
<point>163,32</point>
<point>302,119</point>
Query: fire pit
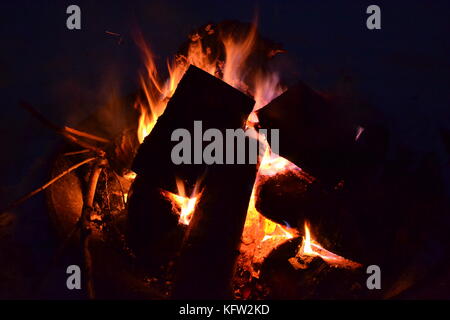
<point>283,227</point>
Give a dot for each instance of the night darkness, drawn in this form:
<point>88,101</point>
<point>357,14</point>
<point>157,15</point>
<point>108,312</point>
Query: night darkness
<point>401,70</point>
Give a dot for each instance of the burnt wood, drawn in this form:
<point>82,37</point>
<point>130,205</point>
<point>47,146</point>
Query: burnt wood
<point>199,96</point>
<point>153,229</point>
<point>317,131</point>
<point>209,253</point>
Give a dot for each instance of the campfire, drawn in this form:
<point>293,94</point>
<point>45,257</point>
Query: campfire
<point>203,231</point>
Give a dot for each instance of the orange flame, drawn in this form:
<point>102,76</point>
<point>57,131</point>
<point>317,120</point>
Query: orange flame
<point>260,235</point>
<point>311,248</point>
<point>264,87</point>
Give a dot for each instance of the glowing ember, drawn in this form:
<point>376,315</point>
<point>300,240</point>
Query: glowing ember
<point>272,164</point>
<point>130,175</point>
<point>261,235</point>
<point>310,248</point>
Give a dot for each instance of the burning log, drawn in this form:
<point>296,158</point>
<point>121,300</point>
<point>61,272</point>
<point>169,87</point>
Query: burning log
<point>319,133</point>
<point>208,256</point>
<point>318,280</point>
<point>343,149</point>
<point>199,96</point>
<point>289,197</point>
<point>154,234</point>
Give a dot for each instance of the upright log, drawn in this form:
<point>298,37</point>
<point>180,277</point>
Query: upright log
<point>209,253</point>
<point>199,97</point>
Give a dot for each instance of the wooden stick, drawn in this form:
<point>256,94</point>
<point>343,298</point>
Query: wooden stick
<point>85,135</point>
<point>82,225</point>
<point>76,152</point>
<point>121,188</point>
<point>61,131</point>
<point>45,186</point>
<point>85,226</point>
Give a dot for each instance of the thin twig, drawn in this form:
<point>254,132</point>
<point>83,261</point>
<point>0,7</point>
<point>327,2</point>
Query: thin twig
<point>76,152</point>
<point>121,189</point>
<point>61,131</point>
<point>85,225</point>
<point>45,186</point>
<point>85,135</point>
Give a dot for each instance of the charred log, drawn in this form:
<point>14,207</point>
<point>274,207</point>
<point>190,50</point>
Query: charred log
<point>318,280</point>
<point>199,96</point>
<point>322,133</point>
<point>212,242</point>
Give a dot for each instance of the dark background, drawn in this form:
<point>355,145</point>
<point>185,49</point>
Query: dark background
<point>402,69</point>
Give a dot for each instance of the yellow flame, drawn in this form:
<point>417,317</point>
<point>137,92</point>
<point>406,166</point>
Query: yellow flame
<point>260,235</point>
<point>307,249</point>
<point>183,205</point>
<point>264,87</point>
<point>311,248</point>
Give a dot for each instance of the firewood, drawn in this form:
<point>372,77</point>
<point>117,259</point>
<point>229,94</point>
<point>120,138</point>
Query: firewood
<point>85,135</point>
<point>316,132</point>
<point>317,280</point>
<point>209,253</point>
<point>61,131</point>
<point>73,153</point>
<point>199,96</point>
<point>85,231</point>
<point>154,233</point>
<point>45,186</point>
<point>287,198</point>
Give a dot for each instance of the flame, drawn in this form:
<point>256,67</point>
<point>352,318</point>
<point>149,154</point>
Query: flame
<point>233,70</point>
<point>146,124</point>
<point>260,235</point>
<point>272,164</point>
<point>307,249</point>
<point>311,248</point>
<point>237,52</point>
<point>183,205</point>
